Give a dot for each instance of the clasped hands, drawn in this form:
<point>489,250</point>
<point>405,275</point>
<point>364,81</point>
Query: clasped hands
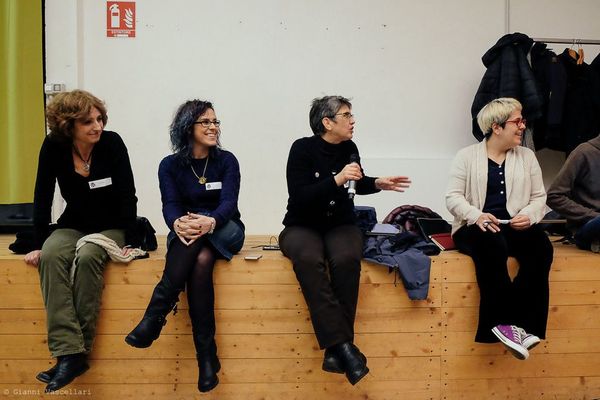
<point>352,172</point>
<point>191,226</point>
<point>487,221</point>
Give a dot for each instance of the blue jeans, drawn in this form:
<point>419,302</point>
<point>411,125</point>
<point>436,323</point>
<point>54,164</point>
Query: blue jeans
<point>589,232</point>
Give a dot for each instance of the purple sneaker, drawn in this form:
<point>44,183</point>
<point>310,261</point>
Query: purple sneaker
<point>529,340</point>
<point>510,336</point>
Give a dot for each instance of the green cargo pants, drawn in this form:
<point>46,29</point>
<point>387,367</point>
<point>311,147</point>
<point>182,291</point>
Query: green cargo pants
<point>72,307</point>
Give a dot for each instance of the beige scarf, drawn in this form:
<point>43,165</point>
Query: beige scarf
<point>110,246</point>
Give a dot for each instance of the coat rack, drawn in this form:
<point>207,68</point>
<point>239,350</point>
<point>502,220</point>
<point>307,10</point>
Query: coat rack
<point>567,41</point>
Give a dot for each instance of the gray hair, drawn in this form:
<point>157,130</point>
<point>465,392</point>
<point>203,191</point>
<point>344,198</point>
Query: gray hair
<point>496,111</point>
<point>325,107</point>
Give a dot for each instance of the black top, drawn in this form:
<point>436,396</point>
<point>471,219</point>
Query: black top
<point>103,200</point>
<point>495,196</point>
<point>314,199</point>
<point>181,192</point>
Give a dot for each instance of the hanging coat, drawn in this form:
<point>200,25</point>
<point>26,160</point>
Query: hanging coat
<point>581,114</point>
<point>508,75</point>
<point>551,77</point>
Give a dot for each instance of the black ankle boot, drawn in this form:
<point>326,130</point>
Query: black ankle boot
<point>46,376</point>
<point>67,368</point>
<point>352,360</point>
<point>331,362</point>
<point>164,300</point>
<point>208,362</point>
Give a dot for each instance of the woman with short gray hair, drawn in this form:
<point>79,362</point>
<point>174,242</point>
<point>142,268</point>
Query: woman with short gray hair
<point>320,235</point>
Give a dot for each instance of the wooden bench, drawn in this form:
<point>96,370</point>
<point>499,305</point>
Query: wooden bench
<point>416,349</point>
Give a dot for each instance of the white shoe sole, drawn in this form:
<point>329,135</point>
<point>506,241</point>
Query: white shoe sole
<point>515,349</point>
<point>531,344</point>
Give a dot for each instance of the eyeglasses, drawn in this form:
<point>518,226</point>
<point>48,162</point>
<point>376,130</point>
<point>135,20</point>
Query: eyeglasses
<point>347,115</point>
<point>206,123</point>
<point>518,121</point>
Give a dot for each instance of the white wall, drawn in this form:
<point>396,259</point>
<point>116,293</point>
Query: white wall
<point>412,69</point>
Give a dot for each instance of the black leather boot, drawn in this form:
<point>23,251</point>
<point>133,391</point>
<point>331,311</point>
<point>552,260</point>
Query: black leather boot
<point>208,362</point>
<point>331,362</point>
<point>67,368</point>
<point>352,360</point>
<point>46,376</point>
<point>164,300</point>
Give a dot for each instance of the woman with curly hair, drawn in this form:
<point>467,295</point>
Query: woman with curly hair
<point>94,175</point>
<point>199,186</point>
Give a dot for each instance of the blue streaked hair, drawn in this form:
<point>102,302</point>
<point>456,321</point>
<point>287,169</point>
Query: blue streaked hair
<point>181,130</point>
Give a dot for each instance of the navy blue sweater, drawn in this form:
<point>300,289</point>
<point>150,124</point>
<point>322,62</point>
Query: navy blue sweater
<point>315,200</point>
<point>181,192</point>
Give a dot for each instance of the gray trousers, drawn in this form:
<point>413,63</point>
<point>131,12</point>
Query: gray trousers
<point>72,307</point>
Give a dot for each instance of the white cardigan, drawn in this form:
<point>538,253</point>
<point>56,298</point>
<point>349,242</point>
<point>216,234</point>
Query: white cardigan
<point>467,186</point>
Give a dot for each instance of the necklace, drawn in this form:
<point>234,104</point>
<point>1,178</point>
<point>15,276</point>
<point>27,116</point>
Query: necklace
<point>86,163</point>
<point>201,179</point>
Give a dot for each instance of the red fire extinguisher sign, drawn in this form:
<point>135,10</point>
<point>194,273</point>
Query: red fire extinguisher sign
<point>120,19</point>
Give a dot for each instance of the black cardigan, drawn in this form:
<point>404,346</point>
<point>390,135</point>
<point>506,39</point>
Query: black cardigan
<point>88,210</point>
<point>314,199</point>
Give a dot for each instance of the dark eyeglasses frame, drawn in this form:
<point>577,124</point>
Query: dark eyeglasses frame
<point>207,123</point>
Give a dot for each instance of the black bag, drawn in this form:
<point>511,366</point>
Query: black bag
<point>24,243</point>
<point>366,218</point>
<point>406,218</point>
<point>146,234</point>
<point>25,240</point>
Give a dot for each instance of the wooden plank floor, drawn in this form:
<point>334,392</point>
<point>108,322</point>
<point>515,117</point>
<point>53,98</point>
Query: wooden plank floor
<point>416,349</point>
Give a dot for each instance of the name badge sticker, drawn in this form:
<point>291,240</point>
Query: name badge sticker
<point>99,183</point>
<point>214,185</point>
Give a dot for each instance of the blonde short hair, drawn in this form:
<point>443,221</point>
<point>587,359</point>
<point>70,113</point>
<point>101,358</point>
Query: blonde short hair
<point>496,111</point>
<point>66,108</point>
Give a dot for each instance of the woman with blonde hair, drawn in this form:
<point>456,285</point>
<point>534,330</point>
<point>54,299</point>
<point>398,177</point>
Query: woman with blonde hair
<point>496,194</point>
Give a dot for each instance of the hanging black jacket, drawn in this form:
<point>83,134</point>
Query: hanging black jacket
<point>508,75</point>
<point>581,114</point>
<point>596,65</point>
<point>551,79</point>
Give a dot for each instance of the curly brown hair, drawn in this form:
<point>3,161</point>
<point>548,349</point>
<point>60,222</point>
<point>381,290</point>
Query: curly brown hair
<point>66,108</point>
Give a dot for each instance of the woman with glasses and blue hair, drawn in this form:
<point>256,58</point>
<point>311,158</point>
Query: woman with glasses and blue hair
<point>496,194</point>
<point>199,186</point>
<point>320,235</point>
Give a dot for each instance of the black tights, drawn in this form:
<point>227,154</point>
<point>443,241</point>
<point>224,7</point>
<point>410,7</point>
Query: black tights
<point>192,267</point>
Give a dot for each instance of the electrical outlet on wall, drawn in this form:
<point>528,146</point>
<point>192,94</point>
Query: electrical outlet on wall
<point>54,88</point>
